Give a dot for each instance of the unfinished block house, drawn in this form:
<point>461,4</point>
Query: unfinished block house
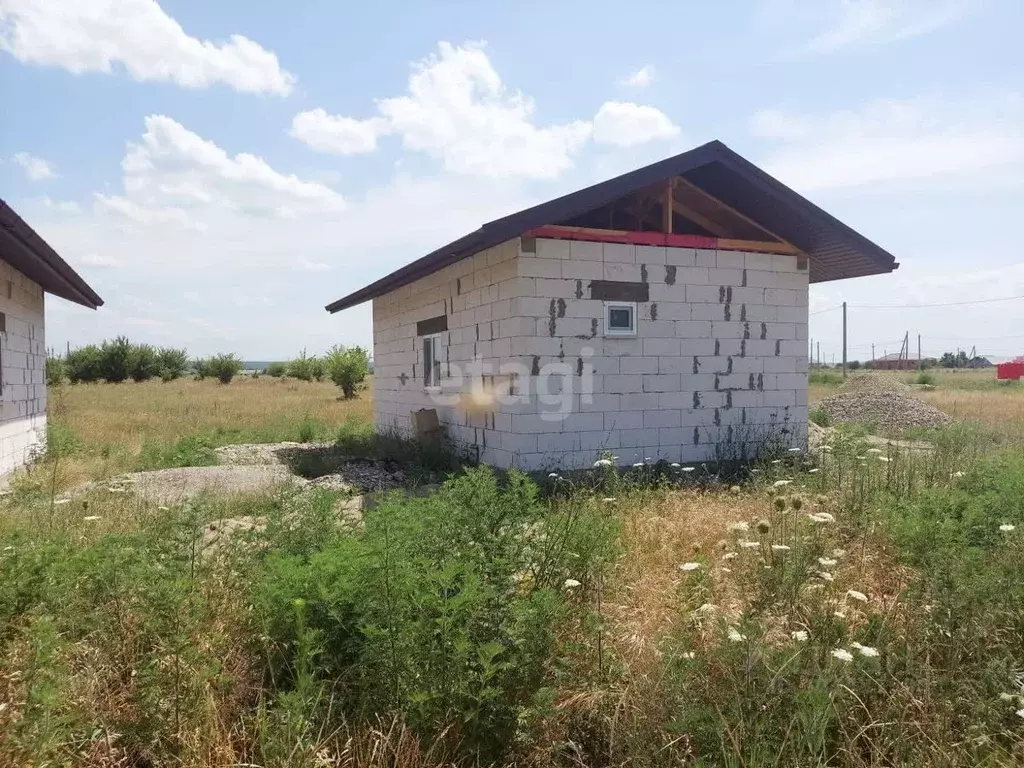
<point>29,268</point>
<point>660,315</point>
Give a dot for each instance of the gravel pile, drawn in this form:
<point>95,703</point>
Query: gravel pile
<point>255,454</point>
<point>888,409</point>
<point>875,381</point>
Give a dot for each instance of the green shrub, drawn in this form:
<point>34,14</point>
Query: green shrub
<point>143,362</point>
<point>55,370</point>
<point>925,377</point>
<point>277,370</point>
<point>317,368</point>
<point>173,363</point>
<point>347,367</point>
<point>304,368</point>
<point>223,367</point>
<point>820,417</point>
<point>84,364</point>
<point>443,612</point>
<point>116,359</point>
<point>191,451</point>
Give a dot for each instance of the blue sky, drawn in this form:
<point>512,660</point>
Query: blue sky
<point>220,171</point>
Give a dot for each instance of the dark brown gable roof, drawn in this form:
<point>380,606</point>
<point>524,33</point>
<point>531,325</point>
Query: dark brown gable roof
<point>28,253</point>
<point>835,250</point>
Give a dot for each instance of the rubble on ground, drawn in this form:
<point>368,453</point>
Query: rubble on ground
<point>884,409</point>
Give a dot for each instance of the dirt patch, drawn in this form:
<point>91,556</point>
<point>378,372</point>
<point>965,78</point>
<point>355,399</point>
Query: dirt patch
<point>818,437</point>
<point>170,486</point>
<point>249,454</point>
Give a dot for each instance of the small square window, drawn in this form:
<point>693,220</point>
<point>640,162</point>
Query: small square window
<point>619,318</point>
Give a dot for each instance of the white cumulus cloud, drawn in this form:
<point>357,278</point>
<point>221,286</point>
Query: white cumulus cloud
<point>175,176</point>
<point>94,35</point>
<point>36,169</point>
<point>624,124</point>
<point>458,110</point>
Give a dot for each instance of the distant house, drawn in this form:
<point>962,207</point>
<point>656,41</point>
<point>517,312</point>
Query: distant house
<point>659,315</point>
<point>29,268</point>
<point>893,362</point>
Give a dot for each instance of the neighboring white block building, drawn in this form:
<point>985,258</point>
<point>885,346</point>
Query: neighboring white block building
<point>659,315</point>
<point>29,268</point>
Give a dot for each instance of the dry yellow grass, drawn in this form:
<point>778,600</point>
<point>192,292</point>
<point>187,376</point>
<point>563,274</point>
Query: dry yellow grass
<point>999,409</point>
<point>114,422</point>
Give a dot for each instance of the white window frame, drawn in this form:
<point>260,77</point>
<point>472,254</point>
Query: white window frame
<point>620,332</point>
<point>431,373</point>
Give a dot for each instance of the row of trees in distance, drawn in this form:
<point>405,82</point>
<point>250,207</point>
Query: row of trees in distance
<point>119,360</point>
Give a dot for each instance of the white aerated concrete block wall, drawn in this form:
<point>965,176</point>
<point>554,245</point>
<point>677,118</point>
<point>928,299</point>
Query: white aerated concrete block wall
<point>23,370</point>
<point>717,369</point>
<point>479,296</point>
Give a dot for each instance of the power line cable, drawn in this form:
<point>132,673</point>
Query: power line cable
<point>943,304</point>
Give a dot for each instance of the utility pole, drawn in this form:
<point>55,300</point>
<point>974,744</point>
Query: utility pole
<point>810,353</point>
<point>919,351</point>
<point>872,352</point>
<point>819,353</point>
<point>844,340</point>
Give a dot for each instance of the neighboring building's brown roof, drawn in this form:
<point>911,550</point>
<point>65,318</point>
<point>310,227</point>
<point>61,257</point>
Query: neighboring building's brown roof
<point>28,253</point>
<point>835,250</point>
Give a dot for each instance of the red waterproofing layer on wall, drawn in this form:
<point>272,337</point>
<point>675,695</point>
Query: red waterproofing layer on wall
<point>632,238</point>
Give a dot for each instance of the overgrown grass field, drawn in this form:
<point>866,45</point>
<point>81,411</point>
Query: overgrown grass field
<point>859,607</point>
<point>101,430</point>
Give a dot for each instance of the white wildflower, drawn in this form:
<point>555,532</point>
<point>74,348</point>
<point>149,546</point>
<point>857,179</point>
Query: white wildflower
<point>688,469</point>
<point>91,518</point>
<point>735,636</point>
<point>827,562</point>
<point>570,583</point>
<point>821,517</point>
<point>873,450</point>
<point>780,483</point>
<point>603,463</point>
<point>689,566</point>
<point>1006,527</point>
<point>777,461</point>
<point>957,474</point>
<point>647,458</point>
<point>750,544</point>
<point>729,555</point>
<point>688,654</point>
<point>58,502</point>
<point>756,471</point>
<point>706,608</point>
<point>827,448</point>
<point>739,527</point>
<point>861,458</point>
<point>884,458</point>
<point>799,635</point>
<point>865,650</point>
<point>839,614</point>
<point>795,450</point>
<point>842,654</point>
<point>726,570</point>
<point>813,470</point>
<point>838,552</point>
<point>1006,697</point>
<point>163,509</point>
<point>609,499</point>
<point>552,474</point>
<point>1020,713</point>
<point>674,465</point>
<point>853,594</point>
<point>638,464</point>
<point>114,489</point>
<point>781,548</point>
<point>825,576</point>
